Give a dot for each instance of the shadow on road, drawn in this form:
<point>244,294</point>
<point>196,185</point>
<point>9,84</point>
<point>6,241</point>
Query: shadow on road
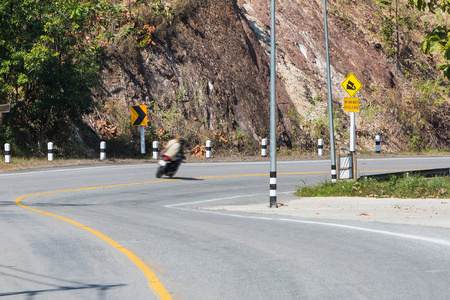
<point>185,178</point>
<point>52,284</point>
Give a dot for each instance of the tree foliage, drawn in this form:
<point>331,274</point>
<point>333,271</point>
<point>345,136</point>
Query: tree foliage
<point>438,40</point>
<point>51,57</point>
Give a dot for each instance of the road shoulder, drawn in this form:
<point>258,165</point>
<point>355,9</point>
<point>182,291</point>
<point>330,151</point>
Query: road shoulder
<point>425,212</point>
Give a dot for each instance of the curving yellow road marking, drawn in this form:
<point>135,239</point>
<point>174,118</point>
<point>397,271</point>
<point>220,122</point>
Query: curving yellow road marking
<point>154,283</point>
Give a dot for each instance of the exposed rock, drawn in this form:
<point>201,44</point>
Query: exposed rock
<point>209,74</point>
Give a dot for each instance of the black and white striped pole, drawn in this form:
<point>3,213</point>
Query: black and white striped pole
<point>7,153</point>
<point>102,150</point>
<point>208,149</point>
<point>264,148</point>
<point>50,151</point>
<point>377,144</point>
<point>155,150</point>
<point>320,147</point>
<point>273,130</point>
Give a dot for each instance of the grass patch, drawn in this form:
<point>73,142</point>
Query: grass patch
<point>407,187</point>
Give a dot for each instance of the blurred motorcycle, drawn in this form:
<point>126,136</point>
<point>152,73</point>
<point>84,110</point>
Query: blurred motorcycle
<point>168,167</point>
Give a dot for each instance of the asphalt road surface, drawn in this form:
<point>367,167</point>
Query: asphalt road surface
<point>116,232</point>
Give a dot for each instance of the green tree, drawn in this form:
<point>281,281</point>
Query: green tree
<point>50,62</point>
<point>438,40</point>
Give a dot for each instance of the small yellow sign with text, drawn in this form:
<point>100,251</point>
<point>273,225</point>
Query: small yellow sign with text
<point>351,104</point>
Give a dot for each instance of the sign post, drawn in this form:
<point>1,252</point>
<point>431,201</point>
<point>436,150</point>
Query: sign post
<point>352,85</point>
<point>139,118</point>
<point>142,134</point>
<point>352,105</point>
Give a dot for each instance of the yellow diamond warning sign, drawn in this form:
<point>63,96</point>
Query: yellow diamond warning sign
<point>351,104</point>
<point>351,84</point>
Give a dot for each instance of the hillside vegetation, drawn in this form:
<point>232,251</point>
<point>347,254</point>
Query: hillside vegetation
<point>71,71</point>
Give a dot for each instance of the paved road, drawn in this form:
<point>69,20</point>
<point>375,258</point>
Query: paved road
<point>116,232</point>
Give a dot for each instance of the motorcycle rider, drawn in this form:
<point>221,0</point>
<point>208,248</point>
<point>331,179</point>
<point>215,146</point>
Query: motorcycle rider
<point>174,149</point>
<point>171,157</point>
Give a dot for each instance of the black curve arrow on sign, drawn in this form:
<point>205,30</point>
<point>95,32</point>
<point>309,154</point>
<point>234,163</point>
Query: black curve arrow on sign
<point>141,115</point>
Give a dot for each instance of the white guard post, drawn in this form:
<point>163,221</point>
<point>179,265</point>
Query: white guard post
<point>377,144</point>
<point>264,148</point>
<point>320,147</point>
<point>208,149</point>
<point>102,151</point>
<point>50,151</point>
<point>155,150</point>
<point>7,153</point>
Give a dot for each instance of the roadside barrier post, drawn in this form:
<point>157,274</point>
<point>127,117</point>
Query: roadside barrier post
<point>102,150</point>
<point>377,144</point>
<point>50,151</point>
<point>208,149</point>
<point>320,147</point>
<point>7,153</point>
<point>264,148</point>
<point>155,150</point>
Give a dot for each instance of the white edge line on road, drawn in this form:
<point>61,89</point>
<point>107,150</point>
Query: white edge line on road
<point>63,169</point>
<point>211,200</point>
<point>348,227</point>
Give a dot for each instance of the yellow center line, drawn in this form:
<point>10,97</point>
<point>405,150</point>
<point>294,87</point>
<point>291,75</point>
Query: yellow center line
<point>255,175</point>
<point>154,283</point>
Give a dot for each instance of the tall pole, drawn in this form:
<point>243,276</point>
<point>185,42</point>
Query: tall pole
<point>396,29</point>
<point>330,104</point>
<point>273,133</point>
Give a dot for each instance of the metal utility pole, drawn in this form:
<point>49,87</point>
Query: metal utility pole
<point>330,104</point>
<point>273,133</point>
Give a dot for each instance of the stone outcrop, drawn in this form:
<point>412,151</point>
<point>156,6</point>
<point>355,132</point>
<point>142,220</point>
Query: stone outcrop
<point>207,75</point>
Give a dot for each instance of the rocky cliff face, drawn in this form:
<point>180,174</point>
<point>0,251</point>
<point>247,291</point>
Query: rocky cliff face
<point>207,77</point>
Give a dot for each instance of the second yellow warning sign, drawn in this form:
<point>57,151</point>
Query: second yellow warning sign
<point>351,84</point>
